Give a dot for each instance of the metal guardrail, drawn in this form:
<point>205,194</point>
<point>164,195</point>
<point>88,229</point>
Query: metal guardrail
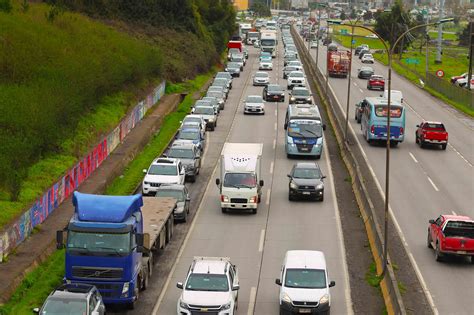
<point>451,91</point>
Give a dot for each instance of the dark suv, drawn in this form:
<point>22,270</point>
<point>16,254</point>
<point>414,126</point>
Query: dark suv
<point>75,298</point>
<point>306,181</point>
<point>300,95</point>
<point>273,93</point>
<point>190,156</point>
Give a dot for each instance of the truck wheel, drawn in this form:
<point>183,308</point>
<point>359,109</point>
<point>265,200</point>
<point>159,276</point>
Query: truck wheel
<point>443,146</point>
<point>428,240</point>
<point>438,255</point>
<point>416,138</point>
<point>254,211</point>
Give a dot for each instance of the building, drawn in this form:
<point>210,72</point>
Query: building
<point>241,5</point>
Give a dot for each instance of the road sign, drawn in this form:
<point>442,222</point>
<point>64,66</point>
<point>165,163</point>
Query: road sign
<point>440,73</point>
<point>344,32</point>
<point>353,41</point>
<point>412,61</point>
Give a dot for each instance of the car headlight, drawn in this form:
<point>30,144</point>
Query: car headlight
<point>320,186</point>
<point>211,119</point>
<point>293,185</point>
<point>290,140</point>
<point>225,306</point>
<point>324,299</point>
<point>309,99</point>
<point>183,305</point>
<point>146,183</point>
<point>286,298</point>
<point>224,198</point>
<point>292,98</point>
<point>282,94</point>
<point>126,287</point>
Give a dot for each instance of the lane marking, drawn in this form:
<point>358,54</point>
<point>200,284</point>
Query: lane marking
<point>454,213</point>
<point>271,167</point>
<point>355,84</point>
<point>207,146</point>
<point>363,92</point>
<point>433,184</point>
<point>413,157</point>
<point>267,202</point>
<point>253,294</point>
<point>262,239</point>
<point>275,126</point>
<point>276,112</point>
<point>274,143</point>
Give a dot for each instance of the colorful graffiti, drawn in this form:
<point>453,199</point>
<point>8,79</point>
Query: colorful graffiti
<point>53,197</point>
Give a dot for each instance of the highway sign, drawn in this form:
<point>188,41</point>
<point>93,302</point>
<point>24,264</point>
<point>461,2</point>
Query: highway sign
<point>353,41</point>
<point>440,73</point>
<point>412,61</point>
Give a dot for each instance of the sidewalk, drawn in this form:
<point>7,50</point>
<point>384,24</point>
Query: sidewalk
<point>40,245</point>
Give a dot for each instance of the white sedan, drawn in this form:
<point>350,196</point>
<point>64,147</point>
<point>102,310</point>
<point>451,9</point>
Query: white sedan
<point>253,104</point>
<point>367,58</point>
<point>261,78</point>
<point>265,65</point>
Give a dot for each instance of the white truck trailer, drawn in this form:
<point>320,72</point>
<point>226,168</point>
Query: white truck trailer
<point>240,183</point>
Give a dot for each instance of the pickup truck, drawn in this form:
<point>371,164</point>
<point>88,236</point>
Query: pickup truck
<point>451,235</point>
<point>430,132</point>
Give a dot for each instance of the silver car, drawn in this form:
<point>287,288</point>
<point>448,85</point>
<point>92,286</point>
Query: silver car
<point>261,78</point>
<point>253,104</point>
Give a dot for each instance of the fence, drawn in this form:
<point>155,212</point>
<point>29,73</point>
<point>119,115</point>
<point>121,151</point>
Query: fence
<point>16,233</point>
<point>451,91</point>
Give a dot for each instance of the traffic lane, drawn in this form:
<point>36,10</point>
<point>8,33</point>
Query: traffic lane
<point>415,211</point>
<point>217,234</point>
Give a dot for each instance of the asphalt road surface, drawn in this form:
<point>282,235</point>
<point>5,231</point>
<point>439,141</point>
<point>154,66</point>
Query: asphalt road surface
<point>424,182</point>
<point>257,243</point>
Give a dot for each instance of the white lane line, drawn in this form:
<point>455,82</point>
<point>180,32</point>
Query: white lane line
<point>262,240</point>
<point>253,294</point>
<point>454,213</point>
<point>361,90</point>
<point>271,167</point>
<point>433,184</point>
<point>275,126</point>
<point>413,157</point>
<point>355,84</point>
<point>394,219</point>
<point>347,287</point>
<point>276,112</point>
<point>274,144</point>
<point>205,152</point>
<point>267,202</point>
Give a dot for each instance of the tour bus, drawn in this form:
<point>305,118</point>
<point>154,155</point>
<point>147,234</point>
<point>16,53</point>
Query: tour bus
<point>304,131</point>
<point>374,120</point>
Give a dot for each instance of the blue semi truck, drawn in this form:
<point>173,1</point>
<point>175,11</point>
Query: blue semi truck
<point>110,242</point>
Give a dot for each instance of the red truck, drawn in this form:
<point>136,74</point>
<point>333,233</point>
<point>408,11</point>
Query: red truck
<point>451,235</point>
<point>235,44</point>
<point>431,132</point>
<point>338,63</point>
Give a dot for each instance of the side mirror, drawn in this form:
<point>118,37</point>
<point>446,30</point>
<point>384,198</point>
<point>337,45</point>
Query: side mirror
<point>36,310</point>
<point>218,181</point>
<point>418,126</point>
<point>188,199</point>
<point>323,177</point>
<point>261,183</point>
<point>139,238</point>
<point>432,221</point>
<point>144,171</point>
<point>324,126</point>
<point>278,281</point>
<point>288,175</point>
<point>235,287</point>
<point>59,241</point>
<point>179,285</point>
<point>332,283</point>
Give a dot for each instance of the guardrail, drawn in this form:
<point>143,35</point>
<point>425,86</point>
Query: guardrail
<point>389,285</point>
<point>15,233</point>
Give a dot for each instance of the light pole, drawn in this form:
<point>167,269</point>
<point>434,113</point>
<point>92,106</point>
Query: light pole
<point>319,5</point>
<point>390,53</point>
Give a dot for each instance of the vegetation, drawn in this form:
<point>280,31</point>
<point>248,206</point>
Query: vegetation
<point>464,35</point>
<point>260,8</point>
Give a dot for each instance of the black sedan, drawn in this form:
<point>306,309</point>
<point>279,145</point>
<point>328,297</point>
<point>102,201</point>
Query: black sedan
<point>273,93</point>
<point>365,72</point>
<point>181,194</point>
<point>306,181</point>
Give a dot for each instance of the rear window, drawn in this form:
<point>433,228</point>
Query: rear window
<point>382,111</point>
<point>434,127</point>
<point>459,229</point>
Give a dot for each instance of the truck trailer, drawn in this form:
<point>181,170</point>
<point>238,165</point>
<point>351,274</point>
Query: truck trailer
<point>338,63</point>
<point>111,242</point>
<point>240,183</point>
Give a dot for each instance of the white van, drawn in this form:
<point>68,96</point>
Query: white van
<point>395,95</point>
<point>304,283</point>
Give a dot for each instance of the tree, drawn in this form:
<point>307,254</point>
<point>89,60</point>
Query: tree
<point>368,16</point>
<point>343,16</point>
<point>6,6</point>
<point>390,25</point>
<point>464,36</point>
<point>353,14</point>
<point>260,8</point>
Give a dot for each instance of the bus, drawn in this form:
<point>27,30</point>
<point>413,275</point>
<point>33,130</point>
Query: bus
<point>304,131</point>
<point>374,120</point>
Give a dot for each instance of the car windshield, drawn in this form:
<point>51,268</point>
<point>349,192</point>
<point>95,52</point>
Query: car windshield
<point>169,170</point>
<point>300,92</point>
<point>267,42</point>
<point>215,94</point>
<point>289,69</point>
<point>189,134</point>
<point>181,153</point>
<point>237,58</point>
<point>305,278</point>
<point>254,99</point>
<point>305,128</point>
<point>107,243</point>
<point>176,194</point>
<point>233,65</point>
<point>64,306</point>
<point>239,180</point>
<point>204,111</point>
<point>306,173</point>
<point>296,75</point>
<point>234,50</point>
<point>207,282</point>
<point>261,75</point>
<point>382,111</point>
<point>275,88</point>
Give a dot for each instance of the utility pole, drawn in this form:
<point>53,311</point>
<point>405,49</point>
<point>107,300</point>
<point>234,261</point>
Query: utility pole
<point>440,31</point>
<point>427,62</point>
<point>471,43</point>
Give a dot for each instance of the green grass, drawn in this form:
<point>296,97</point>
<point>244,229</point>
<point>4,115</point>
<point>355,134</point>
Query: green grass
<point>357,30</point>
<point>446,36</point>
<point>371,276</point>
<point>345,40</point>
<point>133,174</point>
<point>36,286</point>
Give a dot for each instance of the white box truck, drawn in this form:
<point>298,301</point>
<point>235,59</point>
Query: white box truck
<point>240,183</point>
<point>268,41</point>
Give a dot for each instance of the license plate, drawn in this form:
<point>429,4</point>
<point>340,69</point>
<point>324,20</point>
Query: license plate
<point>305,149</point>
<point>461,252</point>
<point>306,193</point>
<point>305,310</point>
<point>275,96</point>
<point>253,110</point>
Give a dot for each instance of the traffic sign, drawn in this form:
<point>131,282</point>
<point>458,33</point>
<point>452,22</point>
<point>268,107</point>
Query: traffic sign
<point>353,41</point>
<point>440,73</point>
<point>412,61</point>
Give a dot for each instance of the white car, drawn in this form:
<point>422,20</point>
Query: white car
<point>162,171</point>
<point>265,65</point>
<point>295,63</point>
<point>253,104</point>
<point>261,78</point>
<point>212,284</point>
<point>463,81</point>
<point>367,58</point>
<point>296,78</point>
<point>314,44</point>
<point>209,114</point>
<point>304,283</point>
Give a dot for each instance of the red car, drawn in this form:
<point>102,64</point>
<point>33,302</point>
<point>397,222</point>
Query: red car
<point>451,235</point>
<point>376,82</point>
<point>431,132</point>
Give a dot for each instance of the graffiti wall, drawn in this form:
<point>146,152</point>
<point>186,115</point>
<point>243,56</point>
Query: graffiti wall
<point>53,197</point>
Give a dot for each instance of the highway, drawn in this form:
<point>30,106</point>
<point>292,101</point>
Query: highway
<point>424,182</point>
<point>257,243</point>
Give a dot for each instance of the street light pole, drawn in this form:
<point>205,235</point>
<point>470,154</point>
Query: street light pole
<point>317,38</point>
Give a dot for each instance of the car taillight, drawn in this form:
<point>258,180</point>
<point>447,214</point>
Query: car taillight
<point>401,130</point>
<point>372,129</point>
